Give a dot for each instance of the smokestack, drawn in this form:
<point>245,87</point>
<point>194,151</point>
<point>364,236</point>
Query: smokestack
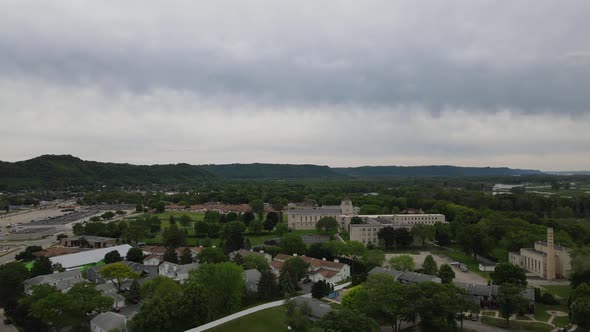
<point>550,255</point>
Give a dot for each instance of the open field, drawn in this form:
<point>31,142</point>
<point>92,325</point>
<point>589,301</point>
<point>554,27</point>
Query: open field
<point>269,320</point>
<point>561,291</point>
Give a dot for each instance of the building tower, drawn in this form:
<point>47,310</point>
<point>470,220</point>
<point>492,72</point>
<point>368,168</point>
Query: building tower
<point>550,255</point>
<point>346,207</point>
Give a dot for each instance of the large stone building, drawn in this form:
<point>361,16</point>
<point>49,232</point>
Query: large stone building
<point>545,259</point>
<point>306,218</point>
<point>368,232</point>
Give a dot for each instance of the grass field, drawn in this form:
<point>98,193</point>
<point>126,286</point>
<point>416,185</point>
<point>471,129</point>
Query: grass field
<point>561,291</point>
<point>269,320</point>
<point>488,313</point>
<point>541,310</point>
<point>517,326</point>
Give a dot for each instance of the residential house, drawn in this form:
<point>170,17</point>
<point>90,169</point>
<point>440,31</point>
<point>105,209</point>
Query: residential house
<point>108,321</point>
<point>175,271</point>
<point>485,295</point>
<point>110,290</point>
<point>151,251</point>
<point>320,269</point>
<point>63,281</point>
<point>317,308</point>
<point>252,277</point>
<point>153,260</point>
<point>406,277</point>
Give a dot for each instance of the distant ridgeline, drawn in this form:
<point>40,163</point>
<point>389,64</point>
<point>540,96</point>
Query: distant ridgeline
<point>59,171</point>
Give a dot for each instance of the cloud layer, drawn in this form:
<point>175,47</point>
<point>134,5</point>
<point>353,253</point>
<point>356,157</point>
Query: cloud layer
<point>354,83</point>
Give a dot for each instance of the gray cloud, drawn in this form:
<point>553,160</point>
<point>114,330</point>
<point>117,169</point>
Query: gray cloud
<point>373,82</point>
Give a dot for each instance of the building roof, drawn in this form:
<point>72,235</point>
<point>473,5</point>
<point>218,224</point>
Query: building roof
<point>186,268</point>
<point>317,211</point>
<point>58,251</point>
<point>252,276</point>
<point>90,238</point>
<point>406,276</point>
<point>311,239</point>
<point>314,262</point>
<point>61,280</point>
<point>109,321</point>
<point>318,308</point>
<point>88,257</point>
<point>490,290</point>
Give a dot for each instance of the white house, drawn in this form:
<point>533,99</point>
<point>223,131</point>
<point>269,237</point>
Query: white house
<point>63,281</point>
<point>108,321</point>
<point>176,271</point>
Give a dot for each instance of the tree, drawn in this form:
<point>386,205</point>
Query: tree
<point>356,220</point>
<point>112,257</point>
<point>120,213</point>
<point>212,217</point>
<point>320,289</point>
<point>231,216</point>
<point>293,270</point>
<point>185,220</point>
<point>257,207</point>
<point>267,285</point>
<point>88,299</point>
<point>510,300</point>
<point>281,228</point>
<point>232,236</point>
<point>57,267</point>
<point>160,310</point>
<point>446,274</point>
<point>12,276</point>
<point>27,254</point>
<point>42,266</point>
<point>372,258</point>
<point>435,304</point>
<point>186,257</point>
<point>211,256</point>
<point>387,234</point>
<point>327,225</point>
<point>224,289</point>
<point>423,233</point>
<point>580,309</point>
<point>507,273</point>
<point>172,220</point>
<point>256,226</point>
<point>170,255</point>
<point>402,263</point>
<point>118,273</point>
<point>135,255</point>
<point>272,219</point>
<point>474,240</point>
<point>348,320</point>
<point>292,244</point>
<point>161,207</point>
<point>57,310</point>
<point>247,217</point>
<point>298,316</point>
<point>201,228</point>
<point>429,266</point>
<point>383,299</point>
<point>174,236</point>
<point>107,215</point>
<point>139,207</point>
<point>257,262</point>
<point>134,294</point>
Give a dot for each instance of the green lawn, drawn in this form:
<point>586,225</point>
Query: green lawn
<point>195,216</point>
<point>561,321</point>
<point>541,310</point>
<point>517,326</point>
<point>488,313</point>
<point>561,291</point>
<point>269,320</point>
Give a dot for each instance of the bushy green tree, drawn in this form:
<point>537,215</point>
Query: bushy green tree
<point>402,263</point>
<point>507,273</point>
<point>446,274</point>
<point>429,266</point>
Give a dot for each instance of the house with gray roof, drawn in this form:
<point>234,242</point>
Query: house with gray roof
<point>317,308</point>
<point>176,271</point>
<point>62,281</point>
<point>406,277</point>
<point>252,277</point>
<point>485,295</point>
<point>108,321</point>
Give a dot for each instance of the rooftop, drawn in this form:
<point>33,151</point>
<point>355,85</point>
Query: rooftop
<point>109,321</point>
<point>319,211</point>
<point>88,257</point>
<point>406,276</point>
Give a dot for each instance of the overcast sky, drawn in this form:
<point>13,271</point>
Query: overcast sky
<point>340,83</point>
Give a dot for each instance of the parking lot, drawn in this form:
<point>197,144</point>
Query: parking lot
<point>460,276</point>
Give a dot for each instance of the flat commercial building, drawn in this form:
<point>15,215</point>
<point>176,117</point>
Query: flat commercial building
<point>80,259</point>
<point>545,259</point>
<point>306,218</point>
<point>369,231</point>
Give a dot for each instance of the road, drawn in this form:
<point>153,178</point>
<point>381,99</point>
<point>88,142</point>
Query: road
<point>4,327</point>
<point>21,245</point>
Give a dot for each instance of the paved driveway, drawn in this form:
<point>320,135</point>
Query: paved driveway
<point>4,327</point>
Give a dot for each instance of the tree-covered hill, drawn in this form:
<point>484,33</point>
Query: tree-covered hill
<point>430,171</point>
<point>273,171</point>
<point>59,171</point>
